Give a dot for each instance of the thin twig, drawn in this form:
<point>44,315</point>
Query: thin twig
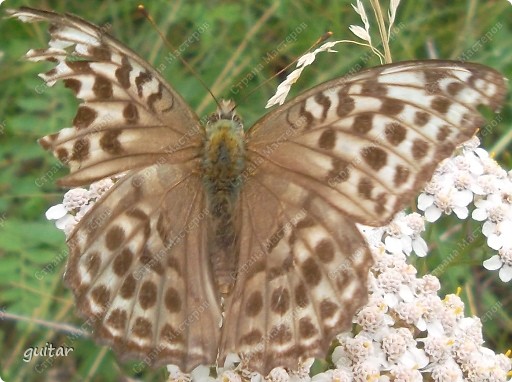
<point>48,324</point>
<point>382,29</point>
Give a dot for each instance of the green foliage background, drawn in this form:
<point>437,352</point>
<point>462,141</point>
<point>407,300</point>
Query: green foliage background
<point>240,36</point>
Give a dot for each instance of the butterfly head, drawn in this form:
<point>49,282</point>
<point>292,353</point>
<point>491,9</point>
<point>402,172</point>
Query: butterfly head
<point>226,112</point>
<point>226,109</point>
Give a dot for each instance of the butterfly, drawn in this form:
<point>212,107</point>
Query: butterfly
<point>219,239</point>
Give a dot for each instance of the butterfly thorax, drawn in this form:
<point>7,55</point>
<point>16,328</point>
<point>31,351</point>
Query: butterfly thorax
<point>223,162</point>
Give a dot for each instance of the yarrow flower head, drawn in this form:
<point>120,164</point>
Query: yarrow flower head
<point>503,262</point>
<point>472,176</point>
<point>403,235</point>
<point>75,204</point>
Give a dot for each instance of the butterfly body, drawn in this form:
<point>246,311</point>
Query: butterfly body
<point>222,164</point>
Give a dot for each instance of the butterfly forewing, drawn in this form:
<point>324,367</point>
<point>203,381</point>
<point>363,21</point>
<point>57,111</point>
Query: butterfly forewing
<point>368,142</point>
<point>352,150</point>
<point>129,118</point>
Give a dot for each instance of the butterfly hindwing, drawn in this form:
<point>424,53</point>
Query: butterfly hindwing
<point>301,275</point>
<point>136,267</point>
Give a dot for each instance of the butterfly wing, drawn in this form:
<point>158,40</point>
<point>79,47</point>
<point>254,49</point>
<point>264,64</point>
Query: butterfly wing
<point>138,261</point>
<point>368,142</point>
<point>352,150</point>
<point>301,274</point>
<point>127,104</point>
<point>137,268</point>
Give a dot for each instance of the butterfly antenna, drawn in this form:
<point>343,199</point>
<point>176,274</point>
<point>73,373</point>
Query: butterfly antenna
<point>320,40</point>
<point>145,13</point>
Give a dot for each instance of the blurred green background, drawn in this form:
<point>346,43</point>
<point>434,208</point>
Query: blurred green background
<point>240,39</point>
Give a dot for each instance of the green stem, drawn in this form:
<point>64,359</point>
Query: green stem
<point>382,30</point>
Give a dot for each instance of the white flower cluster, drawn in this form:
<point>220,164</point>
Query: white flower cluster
<point>474,177</point>
<point>406,332</point>
<point>76,203</point>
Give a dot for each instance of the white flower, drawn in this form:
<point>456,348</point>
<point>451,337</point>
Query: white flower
<point>80,214</point>
<point>415,222</point>
<point>229,376</point>
<point>201,373</point>
<point>340,356</point>
<point>358,348</point>
<point>66,223</point>
<point>368,370</point>
<point>428,284</point>
<point>448,371</point>
<point>437,348</point>
<point>395,283</point>
<point>471,328</point>
<point>63,219</point>
<point>278,374</point>
<point>474,162</point>
<point>433,312</point>
<point>491,208</point>
<point>97,189</point>
<point>455,304</point>
<point>426,204</point>
<point>445,201</point>
<point>503,262</point>
<point>484,366</point>
<point>395,343</point>
<point>411,313</point>
<point>56,212</point>
<point>406,374</point>
<point>373,318</point>
<point>175,374</point>
<point>75,198</point>
<point>76,203</point>
<point>500,236</point>
<point>336,375</point>
<point>404,235</point>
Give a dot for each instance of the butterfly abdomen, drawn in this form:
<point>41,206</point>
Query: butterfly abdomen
<point>222,164</point>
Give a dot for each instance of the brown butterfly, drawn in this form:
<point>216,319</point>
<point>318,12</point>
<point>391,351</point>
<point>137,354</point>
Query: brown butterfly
<point>222,240</point>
